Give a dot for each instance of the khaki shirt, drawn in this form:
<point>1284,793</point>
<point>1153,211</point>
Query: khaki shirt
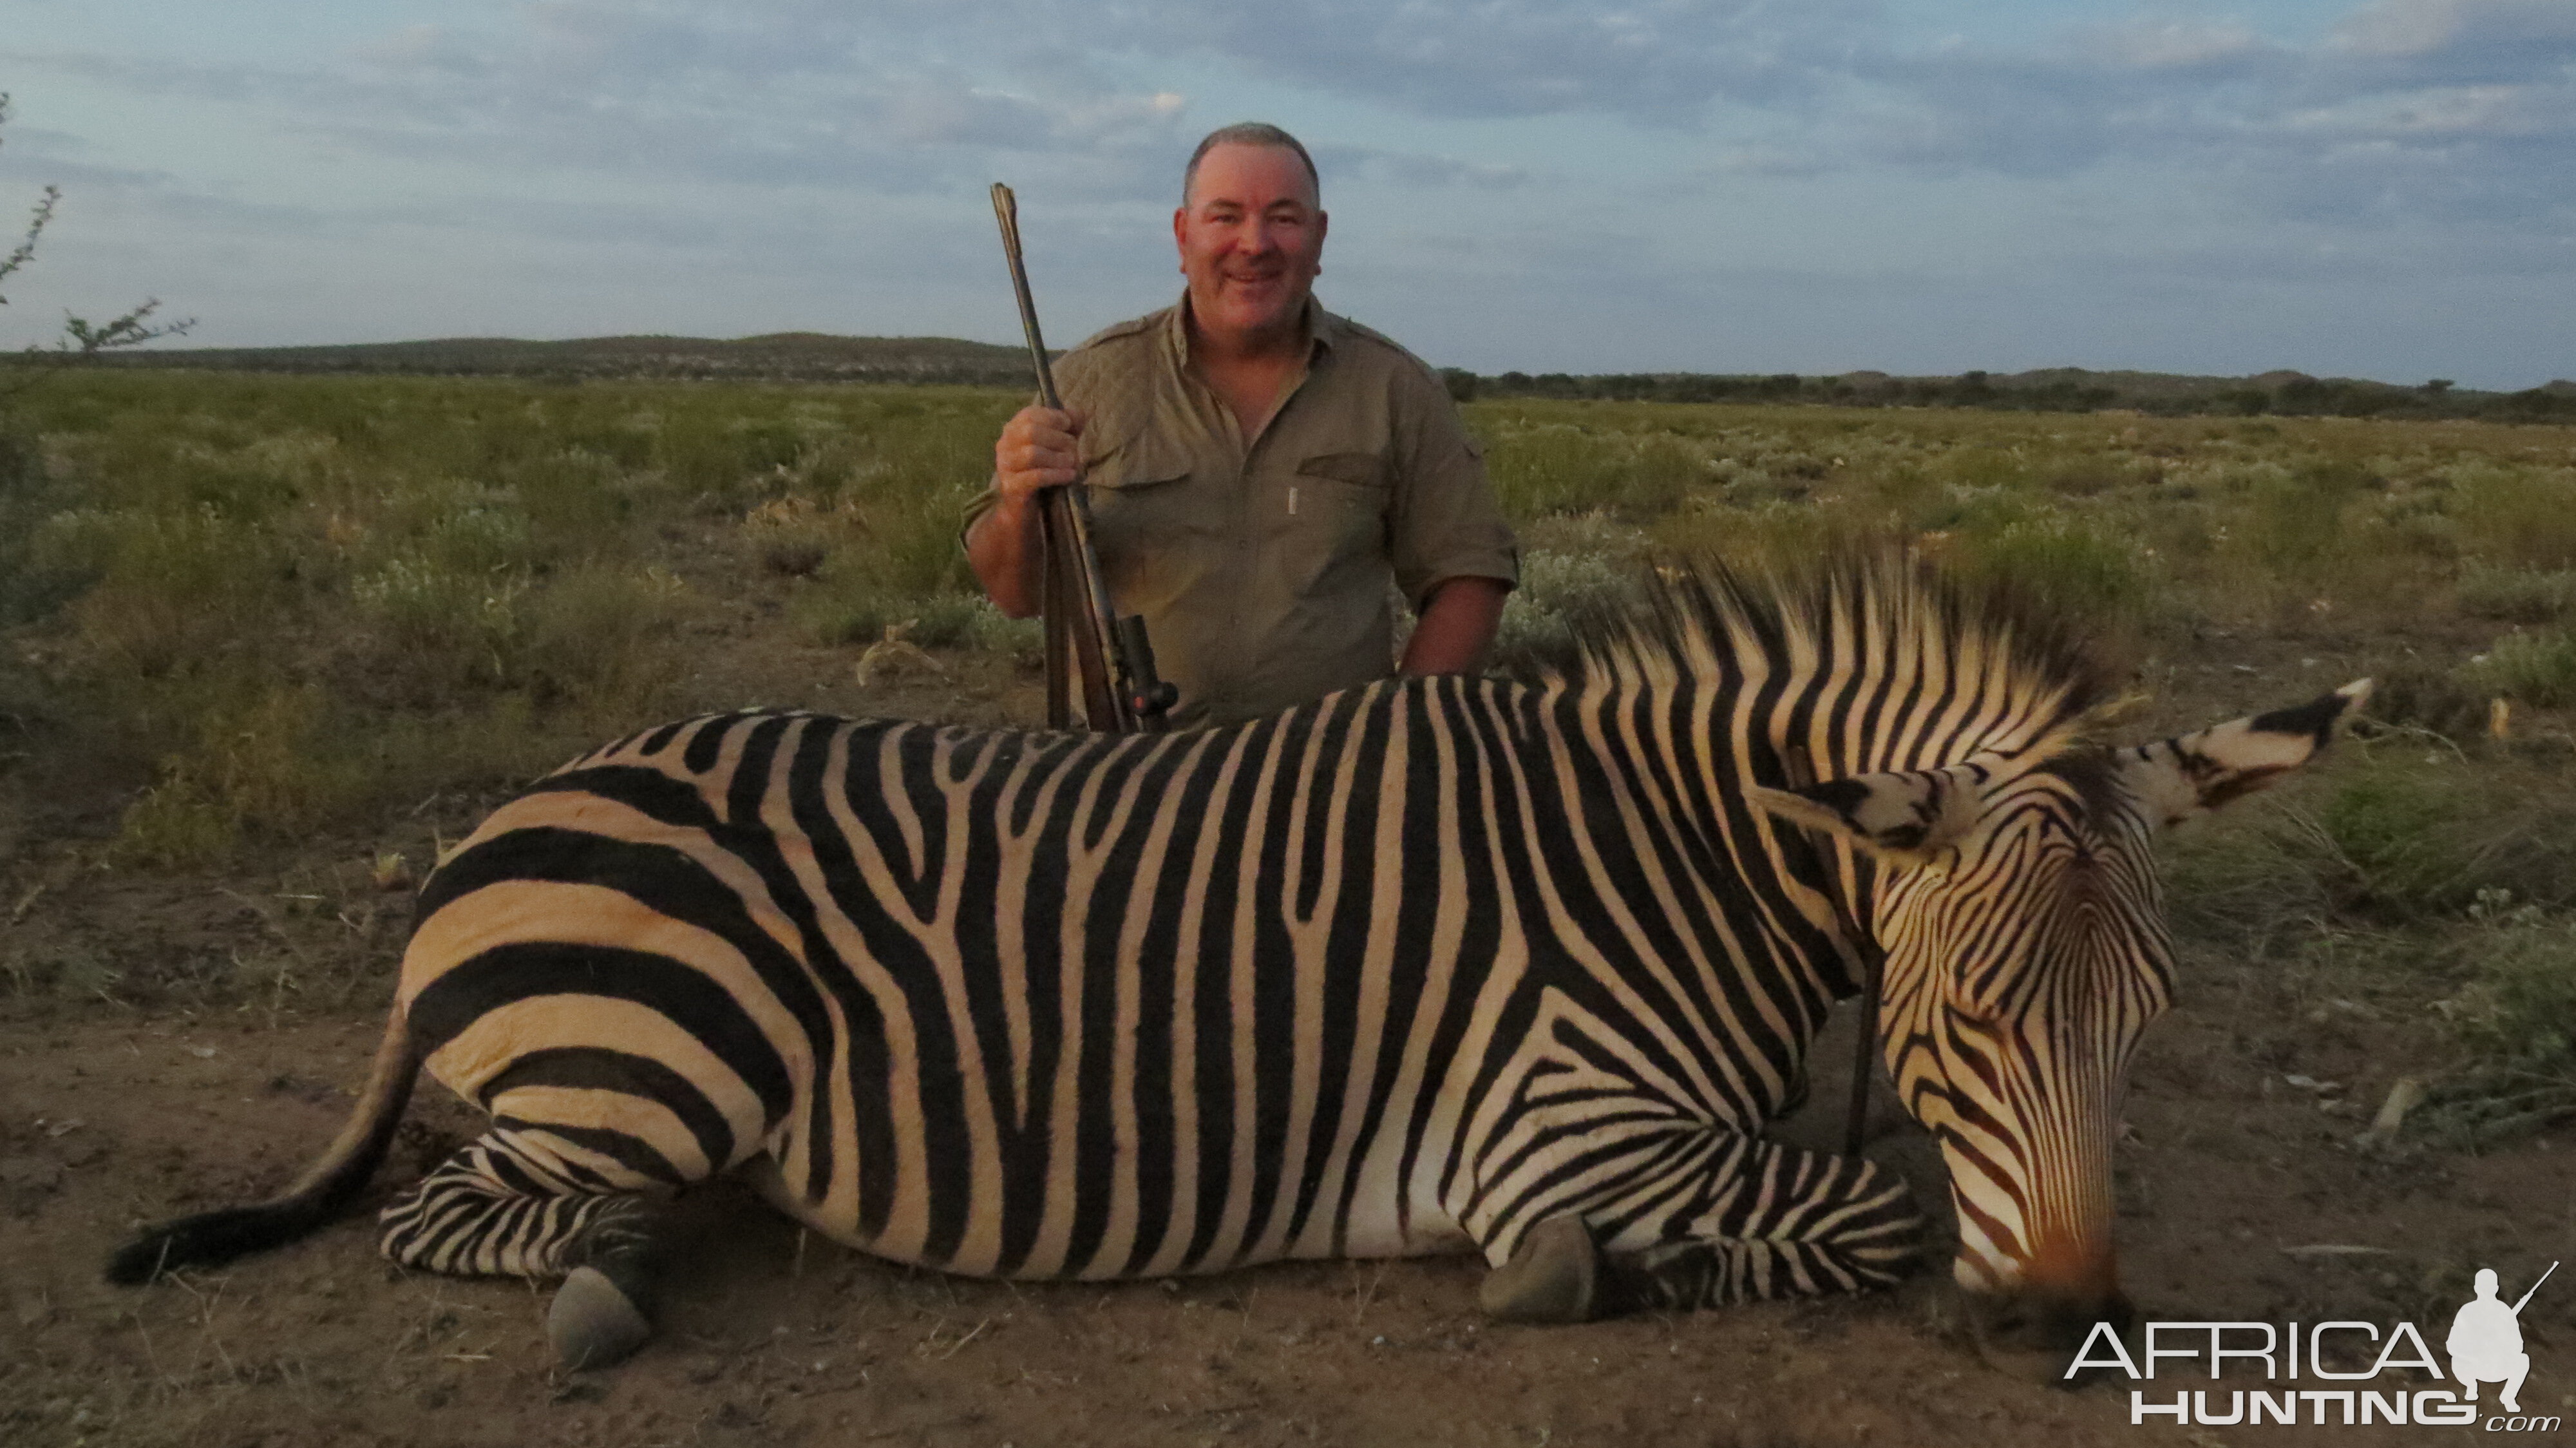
<point>1261,572</point>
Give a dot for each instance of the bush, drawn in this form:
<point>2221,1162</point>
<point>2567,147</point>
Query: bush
<point>1559,469</point>
<point>1549,470</point>
<point>2516,1016</point>
<point>2518,595</point>
<point>2518,515</point>
<point>2536,668</point>
<point>1591,568</point>
<point>167,591</point>
<point>2521,1003</point>
<point>598,638</point>
<point>2068,569</point>
<point>2441,701</point>
<point>263,758</point>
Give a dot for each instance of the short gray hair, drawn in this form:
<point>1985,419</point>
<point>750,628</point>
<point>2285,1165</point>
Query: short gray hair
<point>1249,133</point>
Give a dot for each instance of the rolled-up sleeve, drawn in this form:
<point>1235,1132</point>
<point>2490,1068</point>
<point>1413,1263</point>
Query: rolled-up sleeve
<point>1447,523</point>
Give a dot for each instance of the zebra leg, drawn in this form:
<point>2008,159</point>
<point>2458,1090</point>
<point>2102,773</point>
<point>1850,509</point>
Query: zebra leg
<point>1776,1222</point>
<point>1735,1220</point>
<point>502,1206</point>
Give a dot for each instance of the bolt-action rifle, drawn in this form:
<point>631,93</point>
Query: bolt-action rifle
<point>1121,693</point>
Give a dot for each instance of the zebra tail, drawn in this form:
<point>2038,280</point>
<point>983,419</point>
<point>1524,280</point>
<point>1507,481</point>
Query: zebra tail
<point>324,1191</point>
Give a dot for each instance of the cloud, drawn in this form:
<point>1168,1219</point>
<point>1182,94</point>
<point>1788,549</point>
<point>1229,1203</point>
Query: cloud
<point>2512,36</point>
<point>2408,108</point>
<point>2170,45</point>
<point>1419,171</point>
<point>1663,61</point>
<point>1660,60</point>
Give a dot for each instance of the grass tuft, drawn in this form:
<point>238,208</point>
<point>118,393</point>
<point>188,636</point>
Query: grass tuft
<point>2536,668</point>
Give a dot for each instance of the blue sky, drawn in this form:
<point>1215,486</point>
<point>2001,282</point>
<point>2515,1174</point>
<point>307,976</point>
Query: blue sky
<point>2381,188</point>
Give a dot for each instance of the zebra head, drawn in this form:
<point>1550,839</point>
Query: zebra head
<point>2017,905</point>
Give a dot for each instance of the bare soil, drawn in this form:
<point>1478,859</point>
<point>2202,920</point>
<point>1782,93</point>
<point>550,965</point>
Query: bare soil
<point>191,1042</point>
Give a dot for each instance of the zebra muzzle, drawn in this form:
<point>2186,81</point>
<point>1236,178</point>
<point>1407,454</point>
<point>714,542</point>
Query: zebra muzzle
<point>2033,1330</point>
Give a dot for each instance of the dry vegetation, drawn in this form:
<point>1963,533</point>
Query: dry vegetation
<point>264,639</point>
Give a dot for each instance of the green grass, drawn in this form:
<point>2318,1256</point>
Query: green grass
<point>303,598</point>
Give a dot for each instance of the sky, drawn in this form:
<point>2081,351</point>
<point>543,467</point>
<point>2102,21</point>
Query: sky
<point>2373,188</point>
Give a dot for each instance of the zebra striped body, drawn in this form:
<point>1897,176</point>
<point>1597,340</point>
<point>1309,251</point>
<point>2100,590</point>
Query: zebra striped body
<point>1386,975</point>
<point>1434,964</point>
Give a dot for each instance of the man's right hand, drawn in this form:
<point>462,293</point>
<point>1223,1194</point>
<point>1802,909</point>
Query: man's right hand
<point>1040,447</point>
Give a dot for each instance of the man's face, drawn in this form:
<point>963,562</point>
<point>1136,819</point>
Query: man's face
<point>1251,239</point>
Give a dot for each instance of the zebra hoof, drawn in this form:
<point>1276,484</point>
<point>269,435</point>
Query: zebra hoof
<point>592,1324</point>
<point>1554,1277</point>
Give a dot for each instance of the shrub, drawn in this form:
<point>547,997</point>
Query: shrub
<point>2423,832</point>
<point>1554,468</point>
<point>2518,595</point>
<point>2066,567</point>
<point>1559,469</point>
<point>168,590</point>
<point>263,757</point>
<point>1555,590</point>
<point>2518,515</point>
<point>2537,668</point>
<point>2521,1004</point>
<point>451,625</point>
<point>599,638</point>
<point>2516,1016</point>
<point>2442,701</point>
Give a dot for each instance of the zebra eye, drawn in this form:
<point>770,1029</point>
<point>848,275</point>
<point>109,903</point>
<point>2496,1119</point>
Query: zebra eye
<point>1911,819</point>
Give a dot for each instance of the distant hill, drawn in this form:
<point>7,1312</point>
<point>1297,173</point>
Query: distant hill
<point>778,356</point>
<point>2053,389</point>
<point>820,357</point>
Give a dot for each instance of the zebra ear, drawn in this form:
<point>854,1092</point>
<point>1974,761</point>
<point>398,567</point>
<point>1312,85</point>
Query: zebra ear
<point>1905,817</point>
<point>2195,773</point>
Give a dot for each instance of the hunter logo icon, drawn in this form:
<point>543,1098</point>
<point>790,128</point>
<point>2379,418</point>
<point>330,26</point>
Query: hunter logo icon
<point>2485,1346</point>
<point>2486,1341</point>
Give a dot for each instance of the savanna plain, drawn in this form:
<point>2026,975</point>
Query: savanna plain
<point>268,644</point>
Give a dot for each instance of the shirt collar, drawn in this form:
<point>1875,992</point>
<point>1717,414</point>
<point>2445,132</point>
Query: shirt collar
<point>1323,330</point>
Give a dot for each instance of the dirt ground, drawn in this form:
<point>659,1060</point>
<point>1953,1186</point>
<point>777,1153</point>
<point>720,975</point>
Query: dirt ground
<point>114,1113</point>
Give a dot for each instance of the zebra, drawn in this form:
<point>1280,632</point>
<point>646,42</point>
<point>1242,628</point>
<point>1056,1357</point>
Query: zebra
<point>1445,963</point>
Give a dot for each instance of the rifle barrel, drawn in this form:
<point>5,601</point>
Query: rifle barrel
<point>2535,1287</point>
<point>1006,209</point>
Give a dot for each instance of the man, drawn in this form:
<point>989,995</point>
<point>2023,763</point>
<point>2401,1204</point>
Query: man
<point>2486,1344</point>
<point>1259,468</point>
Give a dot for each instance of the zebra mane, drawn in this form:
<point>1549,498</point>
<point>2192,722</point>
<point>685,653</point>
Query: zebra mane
<point>1699,620</point>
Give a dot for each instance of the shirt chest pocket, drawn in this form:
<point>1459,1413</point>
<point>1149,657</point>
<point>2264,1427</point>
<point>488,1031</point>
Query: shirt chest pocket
<point>1341,497</point>
<point>1141,500</point>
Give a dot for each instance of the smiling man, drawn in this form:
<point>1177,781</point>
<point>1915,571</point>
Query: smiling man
<point>1261,469</point>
